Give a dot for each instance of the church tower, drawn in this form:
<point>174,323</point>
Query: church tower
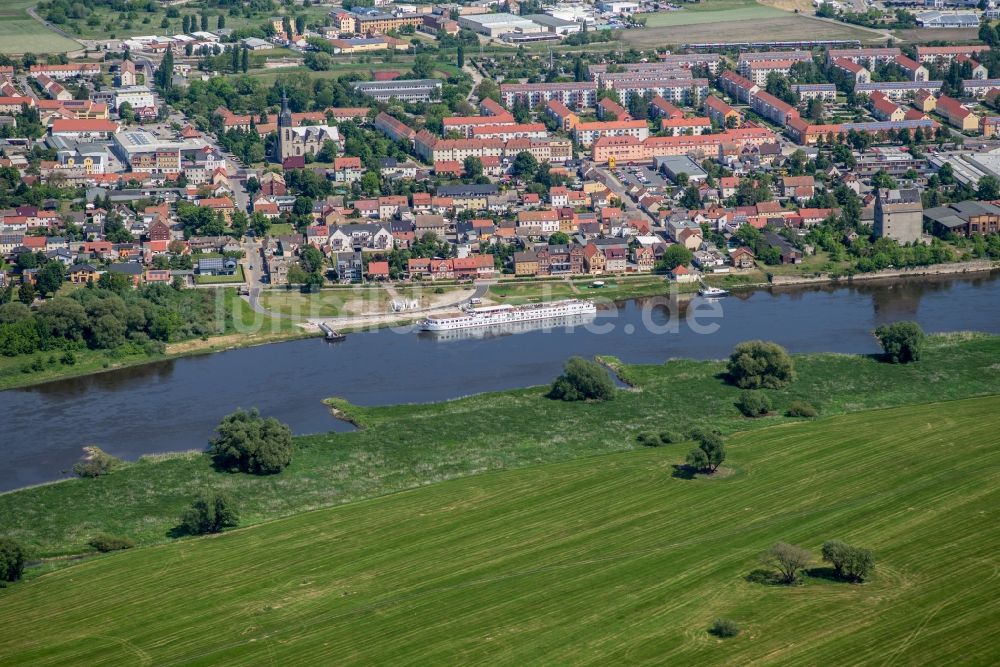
<point>284,129</point>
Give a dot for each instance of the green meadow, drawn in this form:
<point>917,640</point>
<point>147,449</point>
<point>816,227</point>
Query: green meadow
<point>605,559</point>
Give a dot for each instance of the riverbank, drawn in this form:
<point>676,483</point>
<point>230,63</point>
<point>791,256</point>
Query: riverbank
<point>405,446</point>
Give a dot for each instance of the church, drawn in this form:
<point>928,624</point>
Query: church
<point>299,141</point>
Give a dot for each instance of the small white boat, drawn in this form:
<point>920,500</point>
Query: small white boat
<point>712,292</point>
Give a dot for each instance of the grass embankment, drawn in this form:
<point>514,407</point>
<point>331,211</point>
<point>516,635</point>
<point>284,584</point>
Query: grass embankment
<point>402,447</point>
<point>615,288</point>
<point>242,327</point>
<point>606,560</point>
<point>715,11</point>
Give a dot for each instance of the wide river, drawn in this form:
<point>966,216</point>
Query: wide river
<point>175,405</point>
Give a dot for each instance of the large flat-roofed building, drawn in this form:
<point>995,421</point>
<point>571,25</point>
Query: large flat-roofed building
<point>371,21</point>
<point>141,150</point>
<point>405,90</point>
<point>494,25</point>
<point>899,215</point>
<point>555,25</point>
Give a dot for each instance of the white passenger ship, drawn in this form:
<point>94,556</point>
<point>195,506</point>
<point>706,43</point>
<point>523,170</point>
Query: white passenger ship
<point>507,314</point>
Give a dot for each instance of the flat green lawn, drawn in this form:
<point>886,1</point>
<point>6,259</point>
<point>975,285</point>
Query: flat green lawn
<point>402,447</point>
<point>621,287</point>
<point>603,560</point>
<point>715,11</point>
<point>19,33</point>
<point>402,64</point>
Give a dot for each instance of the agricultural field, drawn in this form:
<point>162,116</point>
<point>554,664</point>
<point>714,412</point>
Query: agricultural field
<point>19,33</point>
<point>786,27</point>
<point>950,35</point>
<point>611,559</point>
<point>714,11</point>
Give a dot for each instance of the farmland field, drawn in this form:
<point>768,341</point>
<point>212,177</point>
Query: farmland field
<point>714,11</point>
<point>784,27</point>
<point>605,560</point>
<point>19,33</point>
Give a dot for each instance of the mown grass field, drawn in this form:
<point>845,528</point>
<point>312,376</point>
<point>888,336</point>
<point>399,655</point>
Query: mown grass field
<point>406,446</point>
<point>715,11</point>
<point>603,560</point>
<point>786,27</point>
<point>19,33</point>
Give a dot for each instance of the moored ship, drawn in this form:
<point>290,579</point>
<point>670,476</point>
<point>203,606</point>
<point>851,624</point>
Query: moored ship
<point>507,314</point>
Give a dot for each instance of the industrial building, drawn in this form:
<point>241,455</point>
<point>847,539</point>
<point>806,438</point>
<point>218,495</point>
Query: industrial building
<point>494,25</point>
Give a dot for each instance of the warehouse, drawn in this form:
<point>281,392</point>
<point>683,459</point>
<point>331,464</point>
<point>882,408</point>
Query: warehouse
<point>494,25</point>
<point>555,25</point>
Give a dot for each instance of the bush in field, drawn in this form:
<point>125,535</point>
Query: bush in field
<point>96,463</point>
<point>648,440</point>
<point>758,364</point>
<point>209,514</point>
<point>753,404</point>
<point>801,409</point>
<point>724,628</point>
<point>13,556</point>
<point>850,563</point>
<point>670,437</point>
<point>902,342</point>
<point>105,543</point>
<point>582,380</point>
<point>247,442</point>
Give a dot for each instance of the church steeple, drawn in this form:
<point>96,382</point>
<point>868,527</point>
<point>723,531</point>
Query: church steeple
<point>285,118</point>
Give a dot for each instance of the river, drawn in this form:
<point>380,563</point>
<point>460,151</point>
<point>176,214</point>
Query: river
<point>175,405</point>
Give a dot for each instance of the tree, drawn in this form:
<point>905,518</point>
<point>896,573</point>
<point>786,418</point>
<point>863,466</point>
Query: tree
<point>204,22</point>
<point>220,23</point>
<point>674,256</point>
<point>245,62</point>
<point>210,513</point>
<point>286,26</point>
<point>558,238</point>
<point>989,188</point>
<point>788,559</point>
<point>902,342</point>
<point>709,454</point>
<point>723,628</point>
<point>300,24</point>
<point>473,167</point>
<point>525,165</point>
<point>186,24</point>
<point>691,199</point>
<point>759,364</point>
<point>460,56</point>
<point>582,380</point>
<point>50,278</point>
<point>13,556</point>
<point>26,293</point>
<point>814,110</point>
<point>248,442</point>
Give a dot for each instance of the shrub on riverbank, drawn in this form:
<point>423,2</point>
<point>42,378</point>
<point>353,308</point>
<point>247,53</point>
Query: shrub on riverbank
<point>210,513</point>
<point>96,463</point>
<point>800,409</point>
<point>248,442</point>
<point>105,543</point>
<point>583,380</point>
<point>758,364</point>
<point>753,404</point>
<point>902,342</point>
<point>13,556</point>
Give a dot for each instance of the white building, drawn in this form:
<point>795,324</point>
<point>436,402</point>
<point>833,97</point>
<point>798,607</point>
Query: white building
<point>615,7</point>
<point>137,96</point>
